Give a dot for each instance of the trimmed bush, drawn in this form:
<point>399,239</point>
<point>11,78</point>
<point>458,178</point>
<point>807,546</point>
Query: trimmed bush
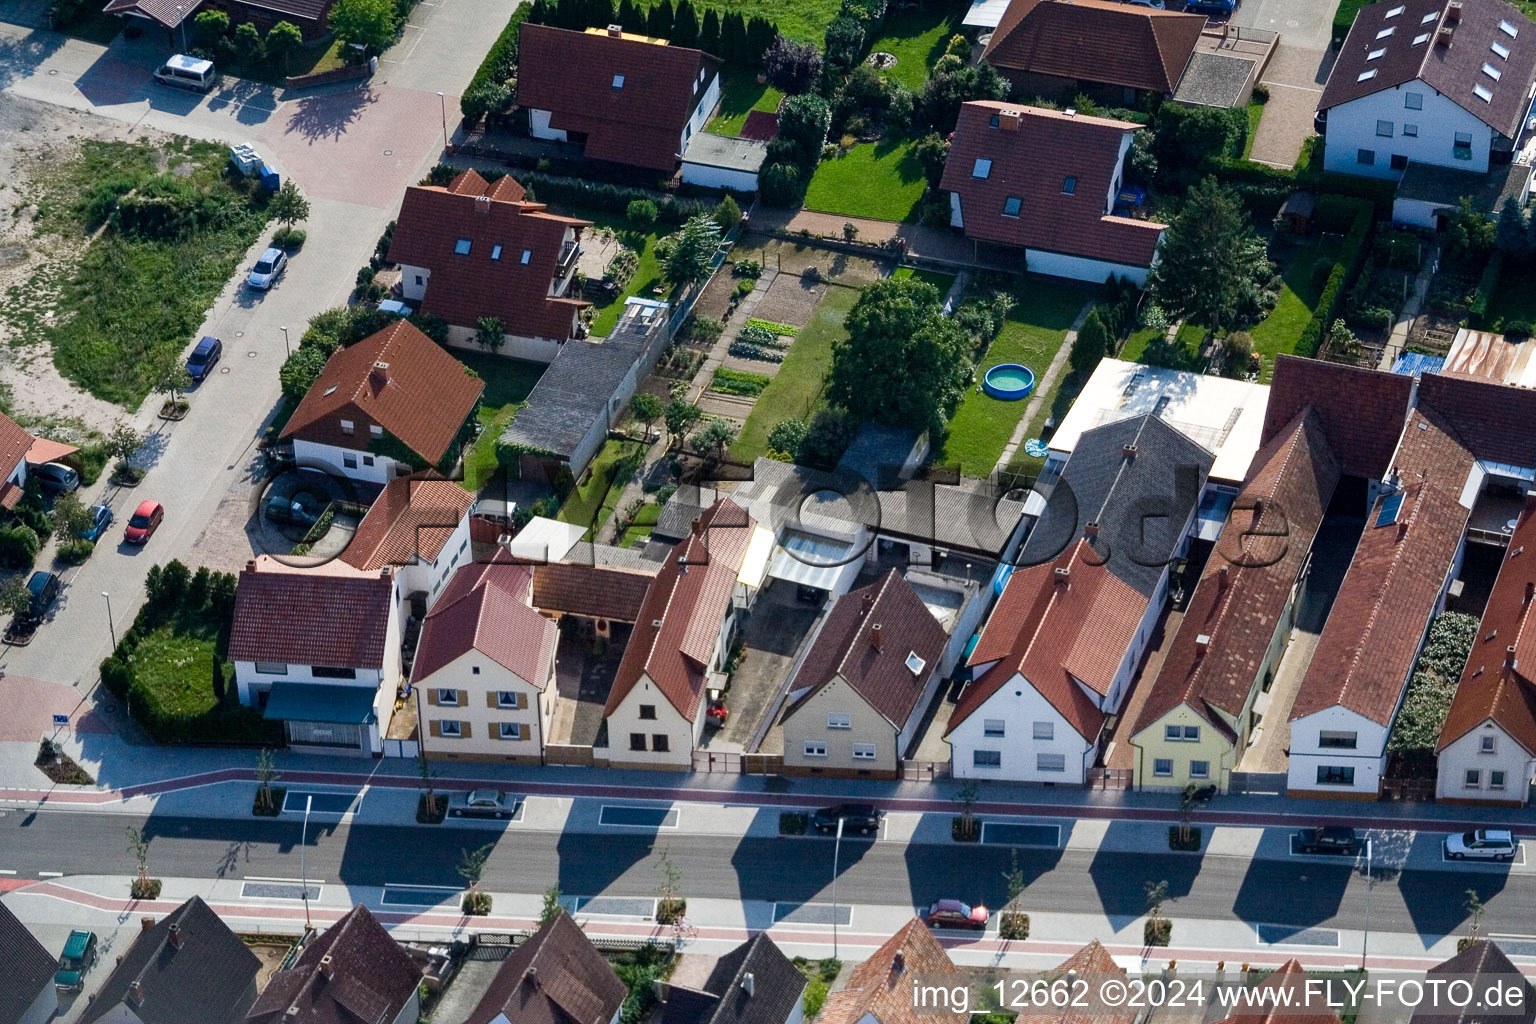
<point>18,547</point>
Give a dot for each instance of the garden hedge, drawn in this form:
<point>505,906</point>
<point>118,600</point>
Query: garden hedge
<point>1477,311</point>
<point>1333,209</point>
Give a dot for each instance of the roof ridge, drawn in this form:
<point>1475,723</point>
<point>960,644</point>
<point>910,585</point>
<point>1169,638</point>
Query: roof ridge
<point>1045,612</point>
<point>1386,586</point>
<point>859,620</point>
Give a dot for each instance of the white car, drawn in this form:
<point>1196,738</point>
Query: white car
<point>1483,844</point>
<point>267,269</point>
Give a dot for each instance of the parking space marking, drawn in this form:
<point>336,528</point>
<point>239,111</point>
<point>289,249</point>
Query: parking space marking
<point>1294,935</point>
<point>813,913</point>
<point>1012,833</point>
<point>637,816</point>
<point>418,895</point>
<point>1518,860</point>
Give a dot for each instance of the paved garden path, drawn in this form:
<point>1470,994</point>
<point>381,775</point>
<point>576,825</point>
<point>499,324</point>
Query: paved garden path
<point>1397,343</point>
<point>1043,385</point>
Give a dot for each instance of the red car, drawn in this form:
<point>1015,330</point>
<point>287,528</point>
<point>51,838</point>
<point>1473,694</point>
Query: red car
<point>955,914</point>
<point>144,521</point>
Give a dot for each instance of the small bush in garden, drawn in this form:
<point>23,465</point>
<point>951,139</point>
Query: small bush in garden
<point>747,268</point>
<point>1518,328</point>
<point>773,327</point>
<point>477,903</point>
<point>744,288</point>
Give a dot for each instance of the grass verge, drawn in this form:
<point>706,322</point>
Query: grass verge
<point>917,38</point>
<point>589,503</point>
<point>1299,291</point>
<point>507,384</point>
<point>740,96</point>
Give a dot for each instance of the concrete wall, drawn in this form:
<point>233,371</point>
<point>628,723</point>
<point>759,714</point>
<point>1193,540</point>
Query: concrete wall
<point>480,679</point>
<point>1466,754</point>
<point>1368,758</point>
<point>868,726</point>
<point>515,346</point>
<point>1079,268</point>
<point>377,469</point>
<point>707,176</point>
<point>1352,127</point>
<point>1019,706</point>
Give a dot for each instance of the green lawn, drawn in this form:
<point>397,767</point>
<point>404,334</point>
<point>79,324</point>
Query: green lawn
<point>1255,113</point>
<point>507,383</point>
<point>917,38</point>
<point>640,529</point>
<point>591,499</point>
<point>878,180</point>
<point>1136,345</point>
<point>804,21</point>
<point>796,389</point>
<point>740,96</point>
<point>175,671</point>
<point>1281,329</point>
<point>647,274</point>
<point>982,425</point>
<point>938,279</point>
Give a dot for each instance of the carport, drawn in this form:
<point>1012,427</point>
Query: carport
<point>823,563</point>
<point>333,718</point>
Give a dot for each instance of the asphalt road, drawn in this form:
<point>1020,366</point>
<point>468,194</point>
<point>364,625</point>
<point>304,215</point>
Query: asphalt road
<point>1314,892</point>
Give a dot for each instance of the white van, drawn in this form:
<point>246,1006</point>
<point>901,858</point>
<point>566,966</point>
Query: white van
<point>187,73</point>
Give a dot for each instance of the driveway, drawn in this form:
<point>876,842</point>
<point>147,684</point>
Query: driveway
<point>772,639</point>
<point>1296,74</point>
<point>352,150</point>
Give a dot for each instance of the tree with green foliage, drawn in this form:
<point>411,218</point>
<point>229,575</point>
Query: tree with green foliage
<point>904,362</point>
<point>691,255</point>
<point>647,408</point>
<point>803,123</point>
<point>932,151</point>
<point>1090,346</point>
<point>550,909</point>
<point>1512,233</point>
<point>171,378</point>
<point>484,99</point>
<point>787,436</point>
<point>715,437</point>
<point>678,416</point>
<point>844,44</point>
<point>300,371</point>
<point>368,23</point>
<point>209,27</point>
<point>289,204</point>
<point>727,215</point>
<point>266,774</point>
<point>122,442</point>
<point>1185,138</point>
<point>283,40</point>
<point>781,185</point>
<point>248,45</point>
<point>658,20</point>
<point>490,333</point>
<point>709,31</point>
<point>1468,232</point>
<point>1201,271</point>
<point>70,516</point>
<point>14,595</point>
<point>958,46</point>
<point>685,25</point>
<point>641,213</point>
<point>953,82</point>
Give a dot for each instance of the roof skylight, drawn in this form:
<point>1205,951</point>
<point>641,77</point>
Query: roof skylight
<point>1394,12</point>
<point>1421,39</point>
<point>1374,54</point>
<point>1386,32</point>
<point>1492,72</point>
<point>1365,75</point>
<point>1431,16</point>
<point>1500,49</point>
<point>1509,29</point>
<point>1482,94</point>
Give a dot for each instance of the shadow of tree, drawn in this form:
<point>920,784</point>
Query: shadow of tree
<point>328,116</point>
<point>22,56</point>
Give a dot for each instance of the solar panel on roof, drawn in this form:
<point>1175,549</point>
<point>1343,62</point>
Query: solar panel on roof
<point>1387,515</point>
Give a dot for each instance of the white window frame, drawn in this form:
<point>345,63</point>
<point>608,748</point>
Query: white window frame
<point>1488,745</point>
<point>348,427</point>
<point>977,762</point>
<point>997,727</point>
<point>1159,771</point>
<point>1045,762</point>
<point>1385,129</point>
<point>517,730</point>
<point>1199,769</point>
<point>272,668</point>
<point>450,729</point>
<point>453,697</point>
<point>1043,731</point>
<point>1472,779</point>
<point>864,752</point>
<point>519,702</point>
<point>840,720</point>
<point>815,748</point>
<point>1496,779</point>
<point>1410,131</point>
<point>1413,101</point>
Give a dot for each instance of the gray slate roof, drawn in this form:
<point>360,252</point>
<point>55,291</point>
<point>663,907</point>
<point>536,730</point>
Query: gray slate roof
<point>208,980</point>
<point>1444,186</point>
<point>1482,960</point>
<point>776,987</point>
<point>1134,500</point>
<point>1213,79</point>
<point>24,964</point>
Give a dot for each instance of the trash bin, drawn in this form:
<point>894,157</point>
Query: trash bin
<point>270,180</point>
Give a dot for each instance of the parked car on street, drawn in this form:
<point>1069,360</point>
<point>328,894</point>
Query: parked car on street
<point>78,957</point>
<point>1216,7</point>
<point>956,914</point>
<point>269,267</point>
<point>862,818</point>
<point>186,72</point>
<point>144,522</point>
<point>1482,844</point>
<point>56,477</point>
<point>204,358</point>
<point>482,803</point>
<point>44,590</point>
<point>1329,839</point>
<point>101,518</point>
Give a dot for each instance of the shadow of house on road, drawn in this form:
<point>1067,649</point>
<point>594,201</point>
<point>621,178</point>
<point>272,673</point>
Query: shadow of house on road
<point>21,56</point>
<point>1299,892</point>
<point>1436,896</point>
<point>973,872</point>
<point>1121,877</point>
<point>221,847</point>
<point>326,117</point>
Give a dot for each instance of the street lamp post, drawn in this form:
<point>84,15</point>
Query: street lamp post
<point>111,628</point>
<point>286,349</point>
<point>303,874</point>
<point>181,16</point>
<point>837,849</point>
<point>443,104</point>
<point>1370,879</point>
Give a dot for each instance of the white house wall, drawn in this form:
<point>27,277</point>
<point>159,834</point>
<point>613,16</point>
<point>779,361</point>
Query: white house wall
<point>1080,268</point>
<point>626,719</point>
<point>1465,754</point>
<point>480,710</point>
<point>538,126</point>
<point>701,111</point>
<point>1368,757</point>
<point>514,346</point>
<point>1019,705</point>
<point>1352,127</point>
<point>414,281</point>
<point>709,176</point>
<point>371,468</point>
<point>1416,213</point>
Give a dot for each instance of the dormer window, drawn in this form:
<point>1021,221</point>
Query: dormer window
<point>1069,185</point>
<point>527,255</point>
<point>982,169</point>
<point>618,82</point>
<point>461,247</point>
<point>495,252</point>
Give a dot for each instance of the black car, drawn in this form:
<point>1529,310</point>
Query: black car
<point>43,588</point>
<point>863,818</point>
<point>1332,839</point>
<point>301,509</point>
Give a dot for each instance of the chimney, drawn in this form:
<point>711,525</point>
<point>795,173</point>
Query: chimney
<point>482,204</point>
<point>145,924</point>
<point>1453,12</point>
<point>898,964</point>
<point>1443,37</point>
<point>615,31</point>
<point>875,639</point>
<point>1090,529</point>
<point>1509,656</point>
<point>327,968</point>
<point>136,992</point>
<point>177,939</point>
<point>381,372</point>
<point>1129,451</point>
<point>1530,591</point>
<point>1221,578</point>
<point>250,565</point>
<point>1402,528</point>
<point>697,525</point>
<point>1009,120</point>
<point>748,983</point>
<point>1063,575</point>
<point>1202,645</point>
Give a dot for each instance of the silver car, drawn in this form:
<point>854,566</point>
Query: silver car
<point>1482,844</point>
<point>482,803</point>
<point>269,267</point>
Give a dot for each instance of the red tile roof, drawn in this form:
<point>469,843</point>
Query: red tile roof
<point>462,289</point>
<point>485,608</point>
<point>1492,420</point>
<point>412,518</point>
<point>1248,579</point>
<point>1090,960</point>
<point>1031,163</point>
<point>595,591</point>
<point>556,977</point>
<point>1394,582</point>
<point>422,395</point>
<point>1492,688</point>
<point>1055,631</point>
<point>846,647</point>
<point>311,618</point>
<point>689,599</point>
<point>1452,70</point>
<point>881,987</point>
<point>44,450</point>
<point>14,444</point>
<point>571,75</point>
<point>1362,411</point>
<point>1096,41</point>
<point>373,978</point>
<point>1291,979</point>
